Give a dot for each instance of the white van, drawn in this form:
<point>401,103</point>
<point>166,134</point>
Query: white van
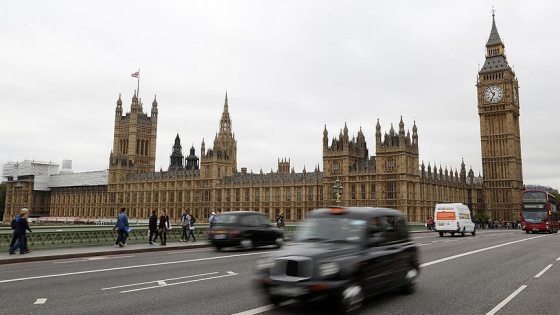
<point>453,218</point>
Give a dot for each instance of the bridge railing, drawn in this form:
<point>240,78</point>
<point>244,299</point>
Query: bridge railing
<point>89,235</point>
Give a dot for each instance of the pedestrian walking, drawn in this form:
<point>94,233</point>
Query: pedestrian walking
<point>163,227</point>
<point>185,221</point>
<point>123,228</point>
<point>153,228</point>
<point>21,226</point>
<point>14,237</point>
<point>191,229</point>
<point>211,218</point>
<point>280,221</point>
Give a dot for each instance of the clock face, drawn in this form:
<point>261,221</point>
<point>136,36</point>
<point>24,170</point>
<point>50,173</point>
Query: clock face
<point>493,94</point>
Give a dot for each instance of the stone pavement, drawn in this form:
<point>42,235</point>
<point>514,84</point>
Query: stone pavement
<point>42,254</point>
<point>94,250</point>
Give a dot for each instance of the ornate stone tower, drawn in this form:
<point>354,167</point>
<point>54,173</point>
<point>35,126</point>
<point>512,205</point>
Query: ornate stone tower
<point>498,109</point>
<point>222,159</point>
<point>192,160</point>
<point>176,158</point>
<point>397,164</point>
<point>134,142</point>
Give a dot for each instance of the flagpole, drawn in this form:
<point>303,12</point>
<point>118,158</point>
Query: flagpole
<point>138,83</point>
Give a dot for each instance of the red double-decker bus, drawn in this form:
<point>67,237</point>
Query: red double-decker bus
<point>538,212</point>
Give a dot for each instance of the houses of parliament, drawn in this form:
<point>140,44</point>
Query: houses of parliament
<point>211,181</point>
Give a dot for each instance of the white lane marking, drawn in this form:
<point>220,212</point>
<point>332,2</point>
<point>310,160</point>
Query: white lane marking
<point>558,258</point>
<point>265,308</point>
<point>175,283</point>
<point>130,267</point>
<point>161,283</point>
<point>474,251</point>
<point>93,259</point>
<point>40,301</point>
<point>231,273</point>
<point>163,280</point>
<point>543,271</point>
<point>506,300</point>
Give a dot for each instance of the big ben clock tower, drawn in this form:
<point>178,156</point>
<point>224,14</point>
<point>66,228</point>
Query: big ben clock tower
<point>498,109</point>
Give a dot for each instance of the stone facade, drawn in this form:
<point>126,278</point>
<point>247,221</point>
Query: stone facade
<point>394,177</point>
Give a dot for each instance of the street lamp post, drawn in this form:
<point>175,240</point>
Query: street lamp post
<point>337,191</point>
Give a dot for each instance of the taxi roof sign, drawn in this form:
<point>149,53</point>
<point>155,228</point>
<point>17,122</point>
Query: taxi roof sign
<point>337,210</point>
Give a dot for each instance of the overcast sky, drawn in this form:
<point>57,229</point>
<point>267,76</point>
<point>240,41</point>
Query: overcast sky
<point>289,68</point>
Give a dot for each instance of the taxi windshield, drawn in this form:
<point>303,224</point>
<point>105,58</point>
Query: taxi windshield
<point>334,229</point>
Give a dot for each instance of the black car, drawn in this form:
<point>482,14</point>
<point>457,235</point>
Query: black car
<point>344,254</point>
<point>245,229</point>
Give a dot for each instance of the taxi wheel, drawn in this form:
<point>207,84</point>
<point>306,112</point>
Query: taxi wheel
<point>351,298</point>
<point>247,243</point>
<point>410,279</point>
<point>276,299</point>
<point>279,241</point>
<point>218,248</point>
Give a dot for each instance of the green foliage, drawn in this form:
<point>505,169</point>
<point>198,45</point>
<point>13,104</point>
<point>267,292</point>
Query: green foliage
<point>3,189</point>
<point>557,195</point>
<point>481,216</point>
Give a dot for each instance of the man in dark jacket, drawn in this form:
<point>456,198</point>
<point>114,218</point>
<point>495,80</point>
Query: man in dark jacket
<point>153,227</point>
<point>20,227</point>
<point>122,225</point>
<point>163,227</point>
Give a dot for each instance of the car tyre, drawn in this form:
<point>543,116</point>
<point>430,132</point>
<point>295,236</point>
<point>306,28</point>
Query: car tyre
<point>247,243</point>
<point>463,232</point>
<point>275,300</point>
<point>351,298</point>
<point>410,279</point>
<point>218,248</point>
<point>441,234</point>
<point>473,232</point>
<point>279,242</point>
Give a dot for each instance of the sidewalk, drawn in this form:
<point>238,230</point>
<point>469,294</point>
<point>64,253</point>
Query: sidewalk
<point>43,254</point>
<point>94,250</point>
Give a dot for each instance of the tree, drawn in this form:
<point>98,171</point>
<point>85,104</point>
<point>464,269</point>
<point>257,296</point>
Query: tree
<point>557,195</point>
<point>3,188</point>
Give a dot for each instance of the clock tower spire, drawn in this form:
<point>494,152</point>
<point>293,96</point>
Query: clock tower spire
<point>498,110</point>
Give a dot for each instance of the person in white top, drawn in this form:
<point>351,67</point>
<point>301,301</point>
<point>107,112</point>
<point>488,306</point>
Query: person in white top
<point>191,229</point>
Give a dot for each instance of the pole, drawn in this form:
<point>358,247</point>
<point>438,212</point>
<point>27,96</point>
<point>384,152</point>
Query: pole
<point>138,89</point>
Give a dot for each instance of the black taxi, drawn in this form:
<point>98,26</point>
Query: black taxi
<point>344,254</point>
<point>245,229</point>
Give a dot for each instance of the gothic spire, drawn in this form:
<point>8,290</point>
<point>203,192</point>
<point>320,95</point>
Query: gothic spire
<point>225,121</point>
<point>494,38</point>
<point>495,52</point>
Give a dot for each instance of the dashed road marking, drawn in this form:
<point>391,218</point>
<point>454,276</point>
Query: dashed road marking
<point>543,271</point>
<point>40,301</point>
<point>506,300</point>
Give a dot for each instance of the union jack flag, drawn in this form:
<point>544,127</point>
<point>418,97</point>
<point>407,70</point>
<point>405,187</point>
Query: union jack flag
<point>136,74</point>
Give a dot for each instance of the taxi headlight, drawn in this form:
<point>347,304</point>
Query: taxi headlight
<point>328,269</point>
<point>264,263</point>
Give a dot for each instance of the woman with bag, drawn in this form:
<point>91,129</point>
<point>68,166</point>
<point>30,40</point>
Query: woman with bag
<point>163,228</point>
<point>185,218</point>
<point>191,229</point>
